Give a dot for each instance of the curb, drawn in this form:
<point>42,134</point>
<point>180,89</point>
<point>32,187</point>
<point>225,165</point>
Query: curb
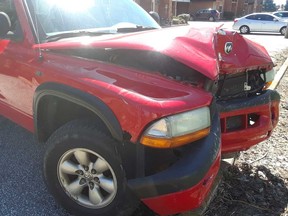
<point>280,73</point>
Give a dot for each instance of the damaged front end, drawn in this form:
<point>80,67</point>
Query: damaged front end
<point>234,69</point>
<point>248,110</point>
<point>188,69</point>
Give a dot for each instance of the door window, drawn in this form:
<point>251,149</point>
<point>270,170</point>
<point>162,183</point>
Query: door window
<point>7,6</point>
<point>267,17</point>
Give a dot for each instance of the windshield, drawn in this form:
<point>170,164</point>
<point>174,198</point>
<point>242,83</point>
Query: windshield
<point>57,16</point>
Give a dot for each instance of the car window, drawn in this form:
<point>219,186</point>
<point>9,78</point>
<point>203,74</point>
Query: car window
<point>258,17</point>
<point>60,16</point>
<point>267,17</point>
<point>264,17</point>
<point>281,14</point>
<point>251,17</point>
<point>7,6</point>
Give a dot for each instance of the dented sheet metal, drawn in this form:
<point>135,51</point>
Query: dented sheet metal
<point>204,50</point>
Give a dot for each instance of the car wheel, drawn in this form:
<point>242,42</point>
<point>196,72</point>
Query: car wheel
<point>244,29</point>
<point>84,173</point>
<point>286,32</point>
<point>211,19</point>
<point>283,30</point>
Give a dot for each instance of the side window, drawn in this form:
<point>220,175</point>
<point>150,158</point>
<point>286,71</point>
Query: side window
<point>251,17</point>
<point>259,17</point>
<point>267,18</point>
<point>7,7</point>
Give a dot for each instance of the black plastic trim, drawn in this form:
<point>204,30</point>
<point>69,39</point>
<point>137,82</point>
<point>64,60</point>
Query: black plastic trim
<point>187,171</point>
<point>237,104</point>
<point>81,98</point>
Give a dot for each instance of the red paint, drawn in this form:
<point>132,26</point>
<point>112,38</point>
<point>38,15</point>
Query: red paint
<point>147,95</point>
<point>248,136</point>
<point>136,97</point>
<point>204,44</point>
<point>249,55</point>
<point>186,200</point>
<point>3,45</point>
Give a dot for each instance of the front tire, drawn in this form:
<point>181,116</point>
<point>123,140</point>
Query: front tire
<point>84,172</point>
<point>244,29</point>
<point>283,30</point>
<point>211,19</point>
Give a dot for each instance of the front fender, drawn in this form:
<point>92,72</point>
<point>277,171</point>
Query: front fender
<point>83,99</point>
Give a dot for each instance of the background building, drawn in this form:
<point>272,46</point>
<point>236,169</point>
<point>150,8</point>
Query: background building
<point>162,7</point>
<point>229,9</point>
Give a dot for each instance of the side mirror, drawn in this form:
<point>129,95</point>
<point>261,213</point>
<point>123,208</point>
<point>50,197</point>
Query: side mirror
<point>275,20</point>
<point>5,24</point>
<point>155,16</point>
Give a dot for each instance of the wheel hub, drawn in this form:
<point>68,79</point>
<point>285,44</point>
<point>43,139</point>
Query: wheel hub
<point>88,176</point>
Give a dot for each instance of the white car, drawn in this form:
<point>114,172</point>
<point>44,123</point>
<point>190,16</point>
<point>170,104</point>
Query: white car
<point>260,22</point>
<point>282,15</point>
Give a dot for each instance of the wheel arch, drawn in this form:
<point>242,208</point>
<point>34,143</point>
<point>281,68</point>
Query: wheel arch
<point>55,104</point>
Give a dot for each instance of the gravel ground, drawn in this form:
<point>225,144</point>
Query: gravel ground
<point>257,183</point>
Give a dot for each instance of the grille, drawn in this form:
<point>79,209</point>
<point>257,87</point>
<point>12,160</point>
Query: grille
<point>240,85</point>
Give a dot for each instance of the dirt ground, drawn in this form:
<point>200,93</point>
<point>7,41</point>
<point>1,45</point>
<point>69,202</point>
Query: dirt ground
<point>257,183</point>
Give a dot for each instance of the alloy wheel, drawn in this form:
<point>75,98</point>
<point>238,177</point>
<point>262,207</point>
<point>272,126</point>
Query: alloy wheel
<point>87,178</point>
<point>244,29</point>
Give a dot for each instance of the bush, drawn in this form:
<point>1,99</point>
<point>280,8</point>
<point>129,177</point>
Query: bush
<point>184,17</point>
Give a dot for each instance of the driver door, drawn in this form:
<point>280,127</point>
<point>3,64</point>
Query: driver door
<point>16,81</point>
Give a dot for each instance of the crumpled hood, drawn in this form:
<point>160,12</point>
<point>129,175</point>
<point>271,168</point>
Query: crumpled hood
<point>202,49</point>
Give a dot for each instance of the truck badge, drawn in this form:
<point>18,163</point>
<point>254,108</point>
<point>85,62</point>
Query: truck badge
<point>228,47</point>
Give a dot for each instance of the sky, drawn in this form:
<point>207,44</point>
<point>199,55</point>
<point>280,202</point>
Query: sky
<point>279,2</point>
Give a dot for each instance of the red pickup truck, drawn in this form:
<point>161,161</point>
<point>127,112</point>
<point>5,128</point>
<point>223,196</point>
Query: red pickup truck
<point>130,112</point>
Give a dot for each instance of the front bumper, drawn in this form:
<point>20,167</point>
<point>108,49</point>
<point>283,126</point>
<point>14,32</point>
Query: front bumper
<point>246,122</point>
<point>188,181</point>
<point>195,198</point>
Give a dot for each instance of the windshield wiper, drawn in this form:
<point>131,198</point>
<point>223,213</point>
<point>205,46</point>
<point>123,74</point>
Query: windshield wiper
<point>59,36</point>
<point>137,28</point>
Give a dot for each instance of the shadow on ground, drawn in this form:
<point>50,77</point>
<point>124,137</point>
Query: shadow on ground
<point>248,190</point>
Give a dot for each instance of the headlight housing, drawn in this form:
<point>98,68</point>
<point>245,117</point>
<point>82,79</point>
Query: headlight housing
<point>177,130</point>
<point>269,78</point>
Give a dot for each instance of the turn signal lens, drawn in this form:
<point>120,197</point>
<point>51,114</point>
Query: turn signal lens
<point>267,85</point>
<point>176,141</point>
